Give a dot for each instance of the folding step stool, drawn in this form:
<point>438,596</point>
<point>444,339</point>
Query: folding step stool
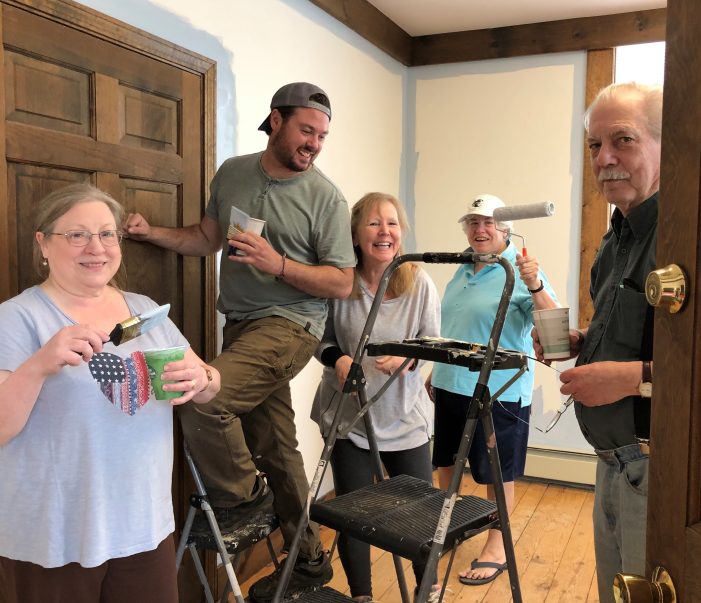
<point>405,515</point>
<point>229,544</point>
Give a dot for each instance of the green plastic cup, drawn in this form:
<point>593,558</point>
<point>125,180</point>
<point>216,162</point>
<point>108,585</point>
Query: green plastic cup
<point>156,360</point>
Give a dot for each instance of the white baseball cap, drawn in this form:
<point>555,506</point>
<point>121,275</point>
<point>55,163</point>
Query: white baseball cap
<point>483,205</point>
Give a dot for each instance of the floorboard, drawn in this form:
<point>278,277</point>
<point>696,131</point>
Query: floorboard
<point>553,539</point>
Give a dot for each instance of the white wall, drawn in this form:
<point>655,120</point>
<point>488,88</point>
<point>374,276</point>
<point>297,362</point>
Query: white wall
<point>509,127</point>
<point>259,45</point>
<point>436,136</point>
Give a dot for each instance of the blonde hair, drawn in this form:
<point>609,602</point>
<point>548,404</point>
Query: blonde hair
<point>650,96</point>
<point>403,278</point>
<point>60,202</point>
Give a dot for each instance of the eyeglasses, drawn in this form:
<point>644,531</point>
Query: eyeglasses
<point>80,238</point>
<point>561,411</point>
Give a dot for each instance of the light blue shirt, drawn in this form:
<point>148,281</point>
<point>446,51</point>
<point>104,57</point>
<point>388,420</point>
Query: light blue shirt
<point>467,313</point>
<point>84,481</point>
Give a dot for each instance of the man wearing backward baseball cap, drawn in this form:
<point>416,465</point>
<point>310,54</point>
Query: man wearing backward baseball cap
<point>274,299</point>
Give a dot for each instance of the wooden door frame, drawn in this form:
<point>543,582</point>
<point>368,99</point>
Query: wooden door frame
<point>674,503</point>
<point>595,209</point>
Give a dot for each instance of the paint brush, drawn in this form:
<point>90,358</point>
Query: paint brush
<point>138,325</point>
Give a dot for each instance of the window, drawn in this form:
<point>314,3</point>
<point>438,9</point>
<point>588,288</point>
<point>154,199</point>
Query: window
<point>642,63</point>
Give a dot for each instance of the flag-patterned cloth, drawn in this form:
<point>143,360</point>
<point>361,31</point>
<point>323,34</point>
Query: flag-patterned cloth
<point>125,382</point>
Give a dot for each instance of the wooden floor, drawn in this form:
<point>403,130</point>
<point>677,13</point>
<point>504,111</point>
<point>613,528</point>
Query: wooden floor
<point>553,539</point>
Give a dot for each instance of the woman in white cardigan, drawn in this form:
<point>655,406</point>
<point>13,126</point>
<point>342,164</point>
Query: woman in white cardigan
<point>402,417</point>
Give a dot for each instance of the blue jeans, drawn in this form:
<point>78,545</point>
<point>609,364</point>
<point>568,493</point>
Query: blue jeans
<point>620,515</point>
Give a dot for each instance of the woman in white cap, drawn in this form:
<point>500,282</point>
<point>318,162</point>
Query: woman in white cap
<point>467,313</point>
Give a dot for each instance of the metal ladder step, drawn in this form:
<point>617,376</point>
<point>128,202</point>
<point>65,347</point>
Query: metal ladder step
<point>253,529</point>
<point>324,595</point>
<point>400,515</point>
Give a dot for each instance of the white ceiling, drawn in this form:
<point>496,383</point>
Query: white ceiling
<point>423,17</point>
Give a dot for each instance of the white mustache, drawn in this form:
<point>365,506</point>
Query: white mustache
<point>610,174</point>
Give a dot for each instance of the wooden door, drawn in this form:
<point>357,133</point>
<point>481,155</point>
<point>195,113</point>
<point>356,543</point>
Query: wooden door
<point>80,108</point>
<point>88,98</point>
<point>674,508</point>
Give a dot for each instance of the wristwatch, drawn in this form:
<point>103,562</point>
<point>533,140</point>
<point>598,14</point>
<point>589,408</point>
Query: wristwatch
<point>645,385</point>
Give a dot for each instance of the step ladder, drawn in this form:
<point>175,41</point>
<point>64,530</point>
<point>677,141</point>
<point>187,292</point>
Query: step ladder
<point>404,515</point>
<point>229,544</point>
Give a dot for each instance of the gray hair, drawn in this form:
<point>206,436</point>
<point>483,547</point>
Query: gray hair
<point>649,94</point>
<point>61,201</point>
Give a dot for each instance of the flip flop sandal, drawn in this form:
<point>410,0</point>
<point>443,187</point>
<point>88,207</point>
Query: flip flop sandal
<point>499,567</point>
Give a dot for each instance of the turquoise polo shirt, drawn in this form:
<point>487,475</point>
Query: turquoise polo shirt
<point>468,310</point>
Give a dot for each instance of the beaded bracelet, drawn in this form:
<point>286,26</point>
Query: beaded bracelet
<point>281,274</point>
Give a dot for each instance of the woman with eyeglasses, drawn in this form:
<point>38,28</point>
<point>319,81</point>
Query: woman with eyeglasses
<point>86,452</point>
<point>468,310</point>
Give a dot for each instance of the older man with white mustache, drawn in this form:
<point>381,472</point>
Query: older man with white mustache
<point>612,382</point>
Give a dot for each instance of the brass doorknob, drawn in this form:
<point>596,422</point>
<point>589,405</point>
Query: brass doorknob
<point>628,588</point>
<point>666,288</point>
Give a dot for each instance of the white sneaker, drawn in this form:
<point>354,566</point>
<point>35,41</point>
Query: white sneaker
<point>434,596</point>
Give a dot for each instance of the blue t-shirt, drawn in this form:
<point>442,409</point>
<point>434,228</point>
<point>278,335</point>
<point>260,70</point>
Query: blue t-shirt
<point>467,314</point>
<point>89,476</point>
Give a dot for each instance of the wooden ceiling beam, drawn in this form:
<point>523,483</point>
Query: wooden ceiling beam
<point>586,33</point>
<point>364,19</point>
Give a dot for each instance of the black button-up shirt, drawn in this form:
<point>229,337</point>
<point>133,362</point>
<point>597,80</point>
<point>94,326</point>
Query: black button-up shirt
<point>621,328</point>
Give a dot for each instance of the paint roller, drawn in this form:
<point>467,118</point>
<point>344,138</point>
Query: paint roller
<point>524,212</point>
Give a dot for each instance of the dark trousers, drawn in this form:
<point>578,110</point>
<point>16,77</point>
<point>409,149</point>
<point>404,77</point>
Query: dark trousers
<point>510,427</point>
<point>250,426</point>
<point>147,577</point>
<point>353,469</point>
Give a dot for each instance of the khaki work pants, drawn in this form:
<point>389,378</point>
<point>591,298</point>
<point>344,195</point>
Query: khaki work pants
<point>250,426</point>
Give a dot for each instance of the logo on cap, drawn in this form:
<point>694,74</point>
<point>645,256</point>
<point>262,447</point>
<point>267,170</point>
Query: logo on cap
<point>477,203</point>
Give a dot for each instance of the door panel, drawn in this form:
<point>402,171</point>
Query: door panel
<point>155,271</point>
<point>147,120</point>
<point>43,94</point>
<point>29,184</point>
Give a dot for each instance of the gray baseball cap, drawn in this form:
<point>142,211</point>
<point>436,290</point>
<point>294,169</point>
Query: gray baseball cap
<point>298,94</point>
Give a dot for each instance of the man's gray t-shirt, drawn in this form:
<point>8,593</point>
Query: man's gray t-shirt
<point>305,216</point>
